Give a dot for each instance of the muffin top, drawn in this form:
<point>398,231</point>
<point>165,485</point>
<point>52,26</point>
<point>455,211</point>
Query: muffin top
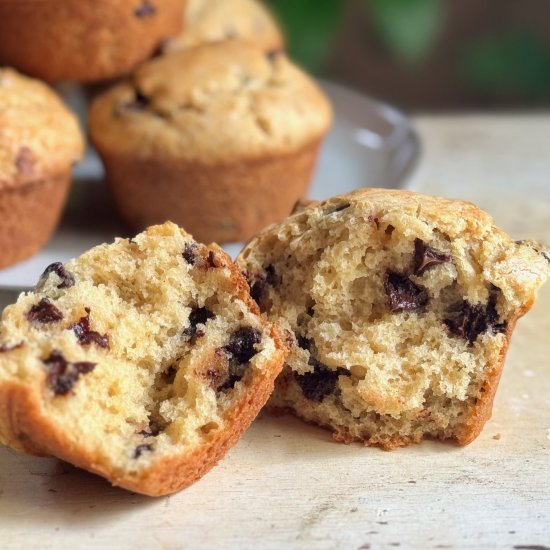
<point>39,136</point>
<point>215,20</point>
<point>211,104</point>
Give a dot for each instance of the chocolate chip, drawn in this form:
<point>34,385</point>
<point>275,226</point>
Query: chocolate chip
<point>318,384</point>
<point>471,320</point>
<point>44,312</point>
<point>62,375</point>
<point>403,294</point>
<point>85,335</point>
<point>273,54</point>
<point>140,449</point>
<point>188,253</point>
<point>67,279</point>
<point>25,161</point>
<point>198,315</point>
<point>152,429</point>
<point>303,342</point>
<point>4,348</point>
<point>389,229</point>
<point>426,257</point>
<point>140,103</point>
<point>258,282</point>
<point>241,344</point>
<point>145,9</point>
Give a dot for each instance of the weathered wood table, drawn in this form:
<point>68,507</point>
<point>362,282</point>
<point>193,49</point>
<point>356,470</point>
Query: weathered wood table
<point>289,485</point>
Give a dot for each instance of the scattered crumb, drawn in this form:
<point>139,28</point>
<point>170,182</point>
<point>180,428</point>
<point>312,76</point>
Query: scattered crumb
<point>365,546</point>
<point>528,373</point>
<point>353,510</point>
<point>497,437</point>
<point>411,481</point>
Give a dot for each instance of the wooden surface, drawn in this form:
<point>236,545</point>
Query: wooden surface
<point>288,485</point>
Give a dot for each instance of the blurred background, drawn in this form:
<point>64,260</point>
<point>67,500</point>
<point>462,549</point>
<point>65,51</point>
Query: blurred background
<point>427,54</point>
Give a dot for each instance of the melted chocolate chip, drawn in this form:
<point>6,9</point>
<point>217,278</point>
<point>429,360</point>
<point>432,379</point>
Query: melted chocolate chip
<point>67,279</point>
<point>318,384</point>
<point>259,281</point>
<point>85,335</point>
<point>471,320</point>
<point>62,375</point>
<point>188,253</point>
<point>198,316</point>
<point>303,342</point>
<point>145,9</point>
<point>239,351</point>
<point>403,294</point>
<point>389,229</point>
<point>25,161</point>
<point>241,344</point>
<point>44,312</point>
<point>426,257</point>
<point>4,348</point>
<point>140,449</point>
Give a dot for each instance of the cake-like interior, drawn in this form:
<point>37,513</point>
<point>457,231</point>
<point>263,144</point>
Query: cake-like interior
<point>137,350</point>
<point>400,308</point>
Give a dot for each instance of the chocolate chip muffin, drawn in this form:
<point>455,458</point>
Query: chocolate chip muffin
<point>401,308</point>
<point>215,20</point>
<point>39,142</point>
<point>221,139</point>
<point>84,40</point>
<point>142,361</point>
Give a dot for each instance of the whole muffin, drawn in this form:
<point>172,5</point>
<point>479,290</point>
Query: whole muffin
<point>215,20</point>
<point>39,142</point>
<point>221,139</point>
<point>84,40</point>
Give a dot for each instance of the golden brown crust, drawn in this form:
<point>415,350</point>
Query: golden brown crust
<point>48,41</point>
<point>29,215</point>
<point>217,103</point>
<point>223,203</point>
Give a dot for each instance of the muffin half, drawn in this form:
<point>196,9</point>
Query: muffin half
<point>142,361</point>
<point>401,307</point>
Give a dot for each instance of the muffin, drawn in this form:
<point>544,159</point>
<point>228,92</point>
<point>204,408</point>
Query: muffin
<point>215,20</point>
<point>142,361</point>
<point>39,142</point>
<point>84,40</point>
<point>401,307</point>
<point>221,139</point>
